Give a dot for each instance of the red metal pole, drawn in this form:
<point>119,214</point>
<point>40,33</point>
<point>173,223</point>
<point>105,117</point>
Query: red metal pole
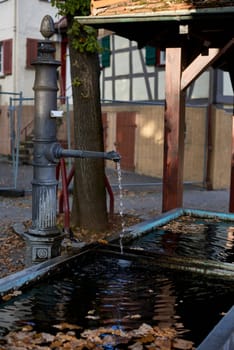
<point>65,196</point>
<point>111,195</point>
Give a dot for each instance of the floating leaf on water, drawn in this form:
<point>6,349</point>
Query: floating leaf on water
<point>57,344</point>
<point>93,335</point>
<point>6,297</point>
<point>136,346</point>
<point>65,325</point>
<point>16,293</point>
<point>165,332</point>
<point>27,328</point>
<point>133,317</point>
<point>91,312</point>
<point>184,227</point>
<point>103,241</point>
<point>143,330</point>
<point>162,343</point>
<point>223,313</point>
<point>43,337</point>
<point>147,339</point>
<point>92,317</point>
<point>181,344</point>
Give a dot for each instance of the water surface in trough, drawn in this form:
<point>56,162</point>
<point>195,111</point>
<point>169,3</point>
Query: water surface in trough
<point>192,237</point>
<point>121,294</point>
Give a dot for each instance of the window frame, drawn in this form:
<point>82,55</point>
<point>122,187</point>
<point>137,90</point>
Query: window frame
<point>161,59</point>
<point>31,52</point>
<point>1,59</point>
<point>6,57</point>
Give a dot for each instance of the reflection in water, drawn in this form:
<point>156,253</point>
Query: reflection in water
<point>202,239</point>
<point>164,307</point>
<point>121,294</point>
<point>230,245</point>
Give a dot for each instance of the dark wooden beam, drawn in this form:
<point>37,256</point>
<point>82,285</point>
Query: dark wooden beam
<point>173,132</point>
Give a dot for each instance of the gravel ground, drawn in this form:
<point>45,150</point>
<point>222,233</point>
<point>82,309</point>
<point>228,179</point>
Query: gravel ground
<point>142,197</point>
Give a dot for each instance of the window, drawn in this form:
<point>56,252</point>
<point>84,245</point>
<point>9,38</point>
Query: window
<point>224,91</point>
<point>154,57</point>
<point>6,57</point>
<point>161,58</point>
<point>105,57</point>
<point>31,52</point>
<point>1,59</point>
<point>150,56</point>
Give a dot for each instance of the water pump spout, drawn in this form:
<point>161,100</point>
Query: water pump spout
<point>56,152</point>
<point>112,155</point>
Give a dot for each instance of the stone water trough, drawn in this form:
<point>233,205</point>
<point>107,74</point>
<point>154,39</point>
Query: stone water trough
<point>220,338</point>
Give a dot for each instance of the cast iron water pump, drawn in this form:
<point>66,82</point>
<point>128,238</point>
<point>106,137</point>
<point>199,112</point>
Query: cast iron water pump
<point>44,238</point>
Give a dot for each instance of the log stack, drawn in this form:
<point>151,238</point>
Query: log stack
<point>121,7</point>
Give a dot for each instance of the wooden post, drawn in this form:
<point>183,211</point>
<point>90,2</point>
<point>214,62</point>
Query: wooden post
<point>231,197</point>
<point>173,132</point>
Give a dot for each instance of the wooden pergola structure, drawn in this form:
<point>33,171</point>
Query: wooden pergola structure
<point>194,38</point>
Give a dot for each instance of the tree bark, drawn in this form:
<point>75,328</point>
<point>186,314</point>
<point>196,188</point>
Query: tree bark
<point>89,209</point>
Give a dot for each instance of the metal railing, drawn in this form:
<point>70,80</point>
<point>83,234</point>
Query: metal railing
<point>17,134</point>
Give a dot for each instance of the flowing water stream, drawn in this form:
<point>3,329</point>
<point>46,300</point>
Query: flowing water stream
<point>121,206</point>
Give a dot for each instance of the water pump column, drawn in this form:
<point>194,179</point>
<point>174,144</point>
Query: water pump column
<point>44,238</point>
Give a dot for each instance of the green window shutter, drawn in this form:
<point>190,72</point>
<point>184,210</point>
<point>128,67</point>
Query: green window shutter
<point>105,57</point>
<point>150,56</point>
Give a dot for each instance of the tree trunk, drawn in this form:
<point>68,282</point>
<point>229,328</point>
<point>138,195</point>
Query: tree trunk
<point>89,209</point>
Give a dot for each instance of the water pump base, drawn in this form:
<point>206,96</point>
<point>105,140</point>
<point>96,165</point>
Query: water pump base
<point>41,248</point>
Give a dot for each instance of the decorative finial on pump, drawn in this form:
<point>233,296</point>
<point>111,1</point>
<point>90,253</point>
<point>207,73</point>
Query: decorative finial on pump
<point>47,27</point>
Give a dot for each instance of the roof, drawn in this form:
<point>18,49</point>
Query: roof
<point>117,7</point>
<point>196,29</point>
<point>163,28</point>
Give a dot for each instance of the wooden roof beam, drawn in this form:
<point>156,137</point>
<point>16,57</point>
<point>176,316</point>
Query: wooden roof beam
<point>201,63</point>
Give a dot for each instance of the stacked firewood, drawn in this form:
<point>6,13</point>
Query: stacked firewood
<point>119,7</point>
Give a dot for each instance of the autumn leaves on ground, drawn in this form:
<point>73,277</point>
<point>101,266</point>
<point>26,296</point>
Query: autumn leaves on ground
<point>12,245</point>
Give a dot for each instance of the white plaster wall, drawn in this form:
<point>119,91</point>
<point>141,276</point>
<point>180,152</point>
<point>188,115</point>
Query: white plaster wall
<point>6,19</point>
<point>227,85</point>
<point>19,20</point>
<point>30,14</point>
<point>122,67</point>
<point>68,78</point>
<point>6,32</point>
